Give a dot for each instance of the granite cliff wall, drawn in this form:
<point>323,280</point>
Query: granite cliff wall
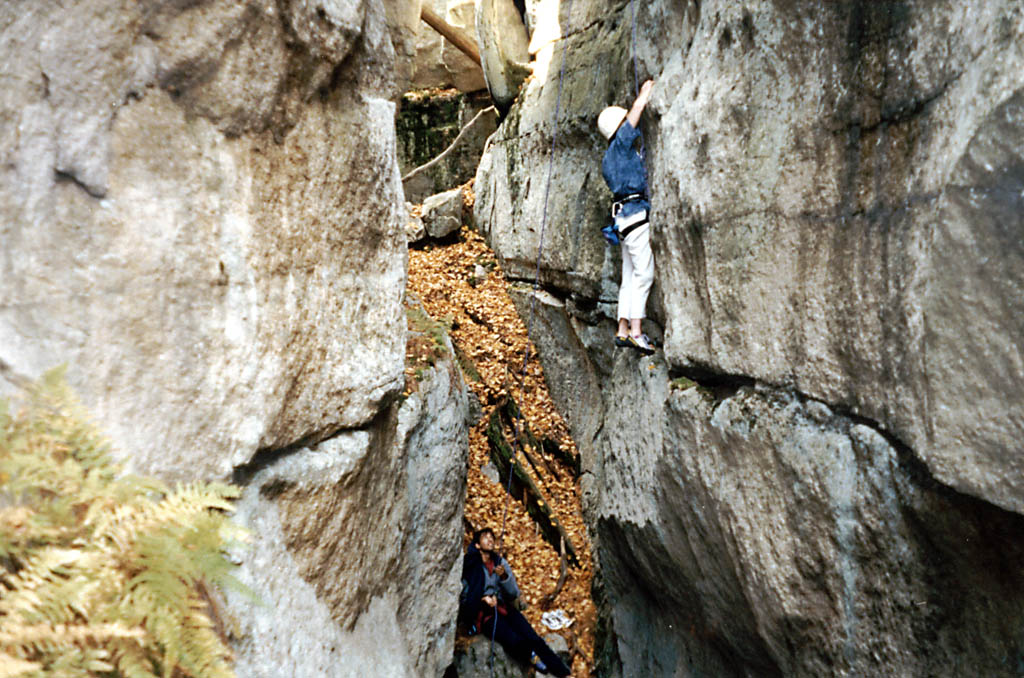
<point>820,473</point>
<point>201,213</point>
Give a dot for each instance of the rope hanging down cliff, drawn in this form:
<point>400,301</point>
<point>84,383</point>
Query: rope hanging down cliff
<point>533,300</point>
<point>516,421</point>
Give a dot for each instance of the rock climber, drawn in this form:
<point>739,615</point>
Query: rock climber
<point>487,606</point>
<point>626,175</point>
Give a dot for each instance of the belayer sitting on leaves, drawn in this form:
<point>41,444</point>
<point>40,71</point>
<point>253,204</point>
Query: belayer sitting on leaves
<point>626,175</point>
<point>486,606</point>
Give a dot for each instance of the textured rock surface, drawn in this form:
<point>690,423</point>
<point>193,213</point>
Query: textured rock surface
<point>825,241</point>
<point>504,48</point>
<point>198,210</point>
<point>792,541</point>
<point>357,562</point>
<point>837,196</point>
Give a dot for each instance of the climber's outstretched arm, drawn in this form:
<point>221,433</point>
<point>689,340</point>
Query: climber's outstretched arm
<point>638,106</point>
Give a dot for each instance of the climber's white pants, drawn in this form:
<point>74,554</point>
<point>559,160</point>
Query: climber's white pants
<point>637,272</point>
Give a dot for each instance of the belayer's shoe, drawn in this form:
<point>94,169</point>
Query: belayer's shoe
<point>641,344</point>
<point>622,342</point>
<point>537,663</point>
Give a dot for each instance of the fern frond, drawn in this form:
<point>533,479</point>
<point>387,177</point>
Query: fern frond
<point>66,634</point>
<point>102,573</point>
<point>14,667</point>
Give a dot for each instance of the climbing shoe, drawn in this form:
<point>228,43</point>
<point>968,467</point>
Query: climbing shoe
<point>622,342</point>
<point>537,663</point>
<point>641,344</point>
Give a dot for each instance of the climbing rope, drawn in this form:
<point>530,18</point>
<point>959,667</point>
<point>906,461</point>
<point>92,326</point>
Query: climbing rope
<point>540,254</point>
<point>533,302</point>
<point>636,79</point>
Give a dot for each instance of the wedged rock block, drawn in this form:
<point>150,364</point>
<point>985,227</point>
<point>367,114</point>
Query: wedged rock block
<point>438,63</point>
<point>504,49</point>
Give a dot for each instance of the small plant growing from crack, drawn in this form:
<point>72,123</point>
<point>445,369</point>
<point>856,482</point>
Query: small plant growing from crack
<point>425,345</point>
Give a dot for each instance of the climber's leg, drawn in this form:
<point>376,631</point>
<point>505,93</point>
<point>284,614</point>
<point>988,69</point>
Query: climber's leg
<point>638,246</point>
<point>535,643</point>
<point>511,637</point>
<point>625,290</point>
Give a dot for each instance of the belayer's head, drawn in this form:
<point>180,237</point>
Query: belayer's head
<point>484,539</point>
<point>609,120</point>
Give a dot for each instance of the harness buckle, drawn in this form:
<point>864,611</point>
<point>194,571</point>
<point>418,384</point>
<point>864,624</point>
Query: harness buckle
<point>618,204</point>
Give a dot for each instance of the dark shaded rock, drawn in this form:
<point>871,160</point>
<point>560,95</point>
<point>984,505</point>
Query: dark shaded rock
<point>427,124</point>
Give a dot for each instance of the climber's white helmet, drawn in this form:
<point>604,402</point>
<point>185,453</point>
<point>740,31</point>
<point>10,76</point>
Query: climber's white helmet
<point>610,119</point>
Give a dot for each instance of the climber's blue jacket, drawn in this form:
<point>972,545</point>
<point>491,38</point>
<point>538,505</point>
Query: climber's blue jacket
<point>624,171</point>
<point>478,581</point>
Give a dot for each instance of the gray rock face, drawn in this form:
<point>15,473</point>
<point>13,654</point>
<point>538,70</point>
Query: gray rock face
<point>200,212</point>
<point>824,241</point>
<point>837,198</point>
<point>504,48</point>
<point>780,538</point>
<point>357,562</point>
<point>202,222</point>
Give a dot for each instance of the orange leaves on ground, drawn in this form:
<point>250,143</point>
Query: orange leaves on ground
<point>463,284</point>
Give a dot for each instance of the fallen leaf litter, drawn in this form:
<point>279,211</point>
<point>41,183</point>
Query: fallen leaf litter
<point>486,329</point>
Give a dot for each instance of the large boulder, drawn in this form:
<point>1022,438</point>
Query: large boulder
<point>837,197</point>
<point>442,213</point>
<point>201,213</point>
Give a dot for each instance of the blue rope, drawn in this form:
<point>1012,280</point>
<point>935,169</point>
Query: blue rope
<point>533,301</point>
<point>636,80</point>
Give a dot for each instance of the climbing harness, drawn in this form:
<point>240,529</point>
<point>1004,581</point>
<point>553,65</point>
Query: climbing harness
<point>612,232</point>
<point>627,227</point>
<point>622,230</point>
<point>621,202</point>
